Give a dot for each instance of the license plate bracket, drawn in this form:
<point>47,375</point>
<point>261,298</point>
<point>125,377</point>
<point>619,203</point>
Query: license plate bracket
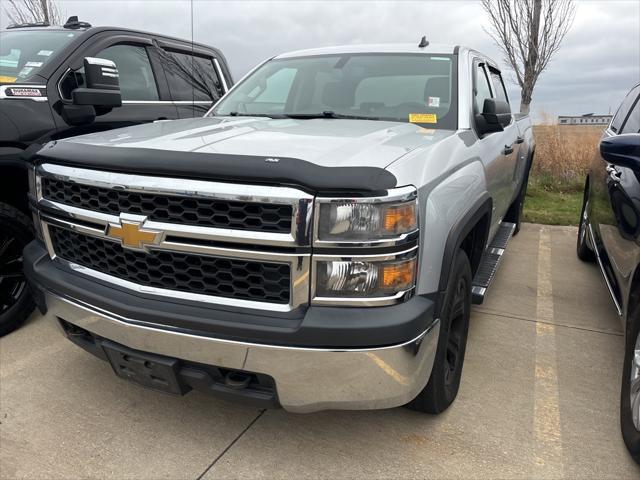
<point>146,369</point>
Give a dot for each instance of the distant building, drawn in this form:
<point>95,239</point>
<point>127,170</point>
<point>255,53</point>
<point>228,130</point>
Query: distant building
<point>586,119</point>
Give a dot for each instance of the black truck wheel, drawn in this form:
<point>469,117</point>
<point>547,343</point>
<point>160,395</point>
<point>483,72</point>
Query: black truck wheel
<point>442,388</point>
<point>16,303</point>
<point>630,391</point>
<point>583,250</point>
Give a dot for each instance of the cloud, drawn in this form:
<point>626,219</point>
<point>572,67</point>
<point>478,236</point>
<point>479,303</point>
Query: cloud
<point>597,64</point>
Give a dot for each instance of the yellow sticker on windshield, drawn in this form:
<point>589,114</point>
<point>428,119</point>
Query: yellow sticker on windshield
<point>4,79</point>
<point>423,118</point>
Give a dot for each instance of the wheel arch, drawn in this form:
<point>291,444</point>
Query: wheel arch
<point>471,233</point>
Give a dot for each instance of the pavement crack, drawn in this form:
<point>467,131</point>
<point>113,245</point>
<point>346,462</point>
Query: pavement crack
<point>228,447</point>
<point>533,320</point>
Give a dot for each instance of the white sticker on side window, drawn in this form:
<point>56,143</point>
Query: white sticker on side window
<point>45,53</point>
<point>433,102</point>
<point>33,64</point>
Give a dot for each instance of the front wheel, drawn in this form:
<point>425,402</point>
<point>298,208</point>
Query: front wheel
<point>443,385</point>
<point>16,303</point>
<point>583,250</point>
<point>630,391</point>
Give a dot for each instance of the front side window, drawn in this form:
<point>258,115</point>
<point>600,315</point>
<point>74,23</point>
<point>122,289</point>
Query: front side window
<point>623,111</point>
<point>482,91</point>
<point>498,86</point>
<point>632,125</point>
<point>191,78</point>
<point>397,87</point>
<point>24,53</point>
<point>137,82</point>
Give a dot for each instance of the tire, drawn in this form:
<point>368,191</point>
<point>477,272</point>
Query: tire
<point>16,303</point>
<point>583,250</point>
<point>443,385</point>
<point>631,430</point>
<point>514,214</point>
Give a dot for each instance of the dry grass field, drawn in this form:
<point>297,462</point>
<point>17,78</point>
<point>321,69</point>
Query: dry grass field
<point>563,156</point>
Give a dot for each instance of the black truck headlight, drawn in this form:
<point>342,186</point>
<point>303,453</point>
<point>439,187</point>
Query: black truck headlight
<point>367,220</point>
<point>383,279</point>
<point>34,195</point>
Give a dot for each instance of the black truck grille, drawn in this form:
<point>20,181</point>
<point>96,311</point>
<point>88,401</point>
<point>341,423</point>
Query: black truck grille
<point>193,273</point>
<point>203,212</point>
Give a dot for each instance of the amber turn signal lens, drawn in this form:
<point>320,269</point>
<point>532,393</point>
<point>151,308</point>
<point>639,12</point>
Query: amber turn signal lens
<point>398,276</point>
<point>400,218</point>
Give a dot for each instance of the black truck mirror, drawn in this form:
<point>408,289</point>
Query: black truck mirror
<point>622,150</point>
<point>102,85</point>
<point>496,114</point>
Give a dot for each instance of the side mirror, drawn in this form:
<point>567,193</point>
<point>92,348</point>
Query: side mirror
<point>622,150</point>
<point>496,114</point>
<point>102,85</point>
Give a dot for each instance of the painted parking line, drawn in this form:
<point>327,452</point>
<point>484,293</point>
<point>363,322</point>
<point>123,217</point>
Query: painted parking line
<point>548,457</point>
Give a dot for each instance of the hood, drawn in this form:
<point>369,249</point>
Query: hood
<point>320,155</point>
<point>323,142</point>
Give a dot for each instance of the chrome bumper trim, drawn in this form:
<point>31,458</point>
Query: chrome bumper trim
<point>307,379</point>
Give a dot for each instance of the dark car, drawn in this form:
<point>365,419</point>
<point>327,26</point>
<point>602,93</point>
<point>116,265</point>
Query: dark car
<point>42,71</point>
<point>610,234</point>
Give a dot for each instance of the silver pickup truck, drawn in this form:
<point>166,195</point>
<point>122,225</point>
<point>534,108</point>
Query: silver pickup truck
<point>314,242</point>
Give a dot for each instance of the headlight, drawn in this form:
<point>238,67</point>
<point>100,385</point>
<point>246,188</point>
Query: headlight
<point>367,220</point>
<point>34,192</point>
<point>364,278</point>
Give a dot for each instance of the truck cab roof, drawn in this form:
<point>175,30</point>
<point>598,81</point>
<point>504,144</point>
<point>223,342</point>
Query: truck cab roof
<point>408,48</point>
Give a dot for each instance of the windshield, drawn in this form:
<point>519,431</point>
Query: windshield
<point>398,87</point>
<point>23,53</point>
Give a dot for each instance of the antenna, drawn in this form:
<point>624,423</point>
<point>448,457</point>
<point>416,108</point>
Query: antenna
<point>423,43</point>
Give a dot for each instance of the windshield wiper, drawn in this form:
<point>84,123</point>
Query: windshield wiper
<point>327,114</point>
<point>238,114</point>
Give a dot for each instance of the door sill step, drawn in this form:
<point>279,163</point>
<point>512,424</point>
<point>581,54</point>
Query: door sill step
<point>490,262</point>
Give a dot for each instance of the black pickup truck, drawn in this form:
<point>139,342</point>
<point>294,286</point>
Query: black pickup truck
<point>161,78</point>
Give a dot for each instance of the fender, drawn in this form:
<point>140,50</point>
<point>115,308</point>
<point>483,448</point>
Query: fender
<point>481,207</point>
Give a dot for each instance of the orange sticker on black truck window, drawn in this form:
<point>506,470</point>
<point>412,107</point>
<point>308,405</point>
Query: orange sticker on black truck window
<point>423,118</point>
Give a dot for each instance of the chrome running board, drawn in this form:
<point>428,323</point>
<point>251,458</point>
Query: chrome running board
<point>490,261</point>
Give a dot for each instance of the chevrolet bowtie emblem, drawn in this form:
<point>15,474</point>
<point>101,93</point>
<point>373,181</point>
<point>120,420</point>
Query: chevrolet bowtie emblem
<point>131,233</point>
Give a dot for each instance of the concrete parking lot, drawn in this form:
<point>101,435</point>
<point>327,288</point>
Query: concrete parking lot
<point>539,399</point>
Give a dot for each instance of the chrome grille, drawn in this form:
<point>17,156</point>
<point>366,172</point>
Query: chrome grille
<point>199,274</point>
<point>258,269</point>
<point>192,210</point>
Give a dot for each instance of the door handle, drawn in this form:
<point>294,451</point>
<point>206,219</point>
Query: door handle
<point>519,140</point>
<point>508,150</point>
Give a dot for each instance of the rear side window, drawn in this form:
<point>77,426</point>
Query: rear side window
<point>482,90</point>
<point>191,78</point>
<point>498,86</point>
<point>623,111</point>
<point>632,125</point>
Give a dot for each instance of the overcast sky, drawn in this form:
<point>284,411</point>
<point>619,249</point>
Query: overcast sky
<point>597,64</point>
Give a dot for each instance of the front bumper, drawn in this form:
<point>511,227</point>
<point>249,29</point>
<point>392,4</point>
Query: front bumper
<point>307,379</point>
<point>346,375</point>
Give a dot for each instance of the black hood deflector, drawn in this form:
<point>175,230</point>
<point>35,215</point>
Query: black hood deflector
<point>218,167</point>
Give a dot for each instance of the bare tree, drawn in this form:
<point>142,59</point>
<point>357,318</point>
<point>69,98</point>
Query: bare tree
<point>529,32</point>
<point>33,11</point>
